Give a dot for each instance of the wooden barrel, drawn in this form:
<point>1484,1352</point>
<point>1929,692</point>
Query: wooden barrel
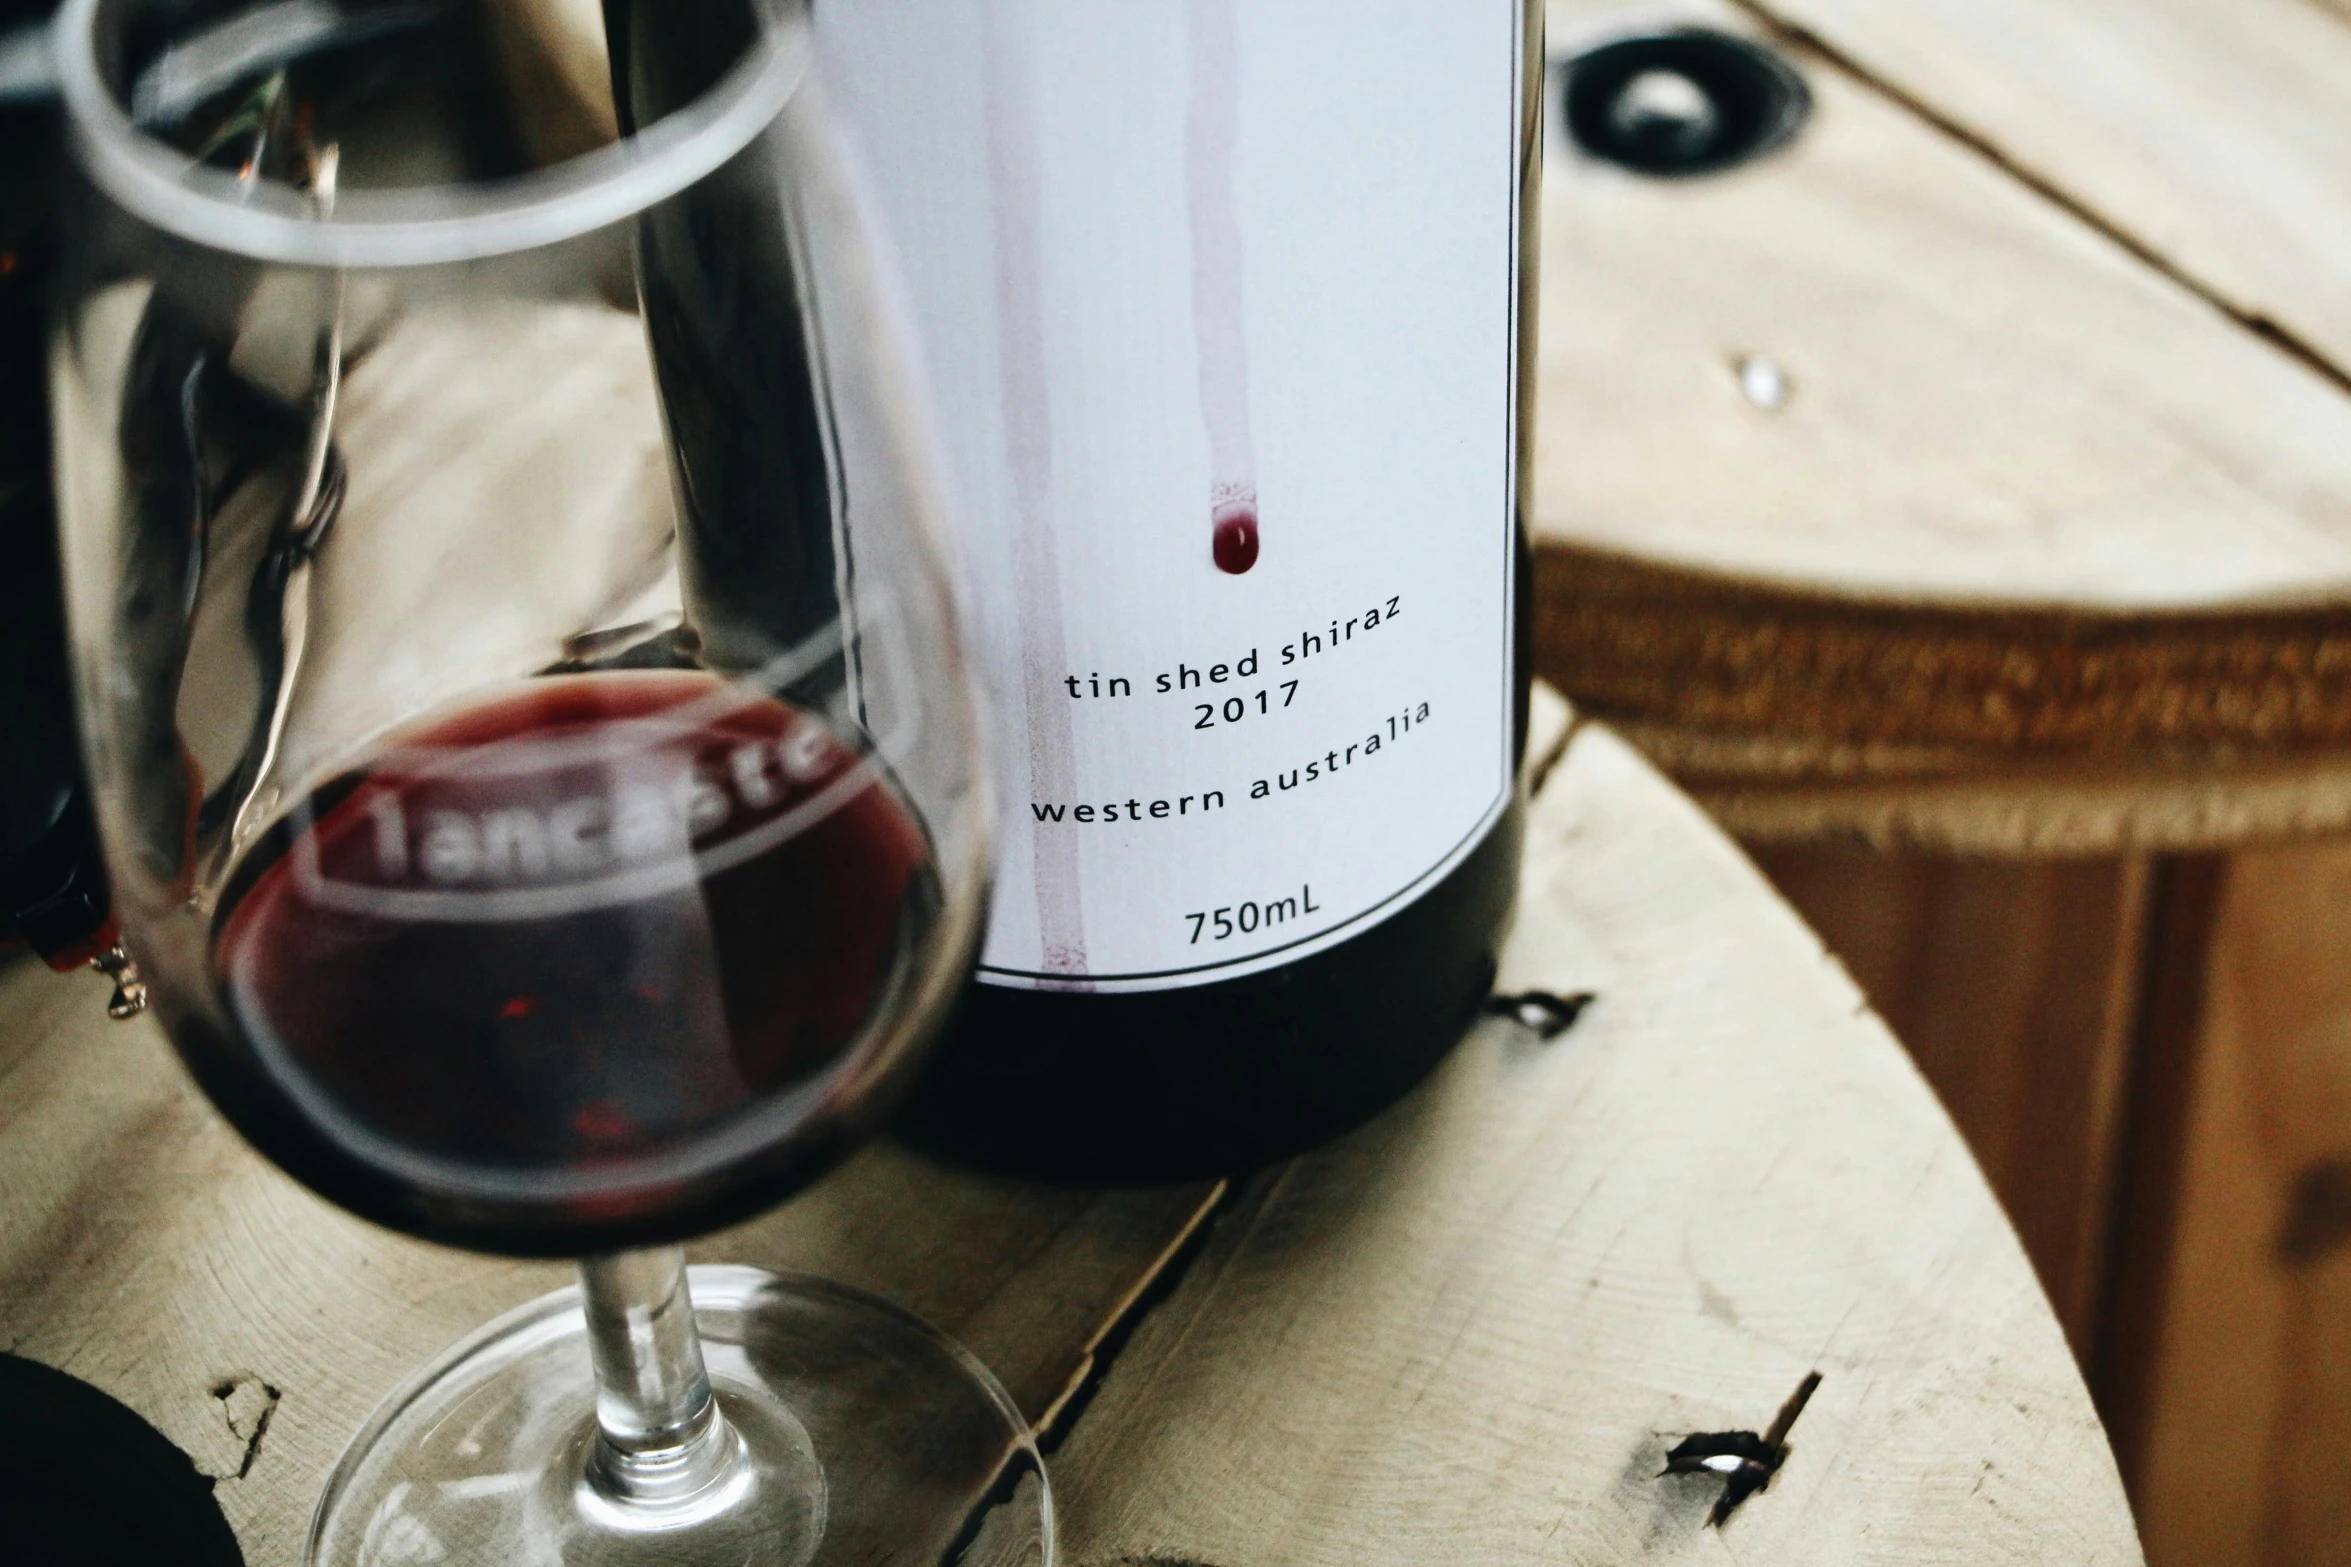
<point>1958,503</point>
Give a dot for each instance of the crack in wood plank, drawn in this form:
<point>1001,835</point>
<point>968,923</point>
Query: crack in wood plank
<point>247,1405</point>
<point>1151,1286</point>
<point>1426,1340</point>
<point>2270,331</point>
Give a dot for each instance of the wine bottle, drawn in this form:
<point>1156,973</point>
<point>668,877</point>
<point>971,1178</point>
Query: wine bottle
<point>1228,316</point>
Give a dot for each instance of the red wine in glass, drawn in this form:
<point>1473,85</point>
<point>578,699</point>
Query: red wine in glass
<point>575,964</point>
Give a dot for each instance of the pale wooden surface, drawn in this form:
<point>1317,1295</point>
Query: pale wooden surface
<point>2015,985</point>
<point>145,1249</point>
<point>1470,1332</point>
<point>2237,180</point>
<point>1992,403</point>
<point>2033,502</point>
<point>1480,1320</point>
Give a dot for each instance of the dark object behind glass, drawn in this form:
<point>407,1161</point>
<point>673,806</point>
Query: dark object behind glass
<point>52,882</point>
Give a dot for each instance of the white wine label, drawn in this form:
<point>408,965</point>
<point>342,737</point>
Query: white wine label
<point>1219,304</point>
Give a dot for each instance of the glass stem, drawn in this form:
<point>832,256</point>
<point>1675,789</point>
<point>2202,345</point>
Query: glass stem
<point>662,1438</point>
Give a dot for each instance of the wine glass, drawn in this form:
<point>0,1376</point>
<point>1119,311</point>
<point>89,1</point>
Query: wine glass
<point>537,836</point>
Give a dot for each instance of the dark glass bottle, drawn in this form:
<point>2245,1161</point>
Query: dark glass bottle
<point>53,893</point>
<point>1211,247</point>
<point>1213,945</point>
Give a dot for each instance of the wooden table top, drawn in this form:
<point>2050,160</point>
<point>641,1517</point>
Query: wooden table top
<point>2049,545</point>
<point>1469,1332</point>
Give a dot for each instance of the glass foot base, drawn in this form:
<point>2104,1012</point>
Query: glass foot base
<point>866,1436</point>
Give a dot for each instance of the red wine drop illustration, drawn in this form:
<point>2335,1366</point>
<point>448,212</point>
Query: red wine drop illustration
<point>1220,339</point>
<point>1236,536</point>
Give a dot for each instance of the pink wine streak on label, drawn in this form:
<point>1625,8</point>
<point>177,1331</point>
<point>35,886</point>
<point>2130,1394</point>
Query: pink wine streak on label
<point>1211,127</point>
<point>1028,436</point>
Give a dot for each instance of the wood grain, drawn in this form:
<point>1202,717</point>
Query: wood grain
<point>145,1249</point>
<point>2029,495</point>
<point>1692,646</point>
<point>1490,1310</point>
<point>2015,986</point>
<point>2249,1366</point>
<point>1770,789</point>
<point>1993,404</point>
<point>2051,812</point>
<point>1470,1331</point>
<point>2211,134</point>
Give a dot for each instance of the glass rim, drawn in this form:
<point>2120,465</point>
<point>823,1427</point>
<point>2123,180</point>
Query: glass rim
<point>423,225</point>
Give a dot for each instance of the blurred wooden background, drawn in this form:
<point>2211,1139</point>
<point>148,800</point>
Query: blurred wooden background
<point>2014,637</point>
